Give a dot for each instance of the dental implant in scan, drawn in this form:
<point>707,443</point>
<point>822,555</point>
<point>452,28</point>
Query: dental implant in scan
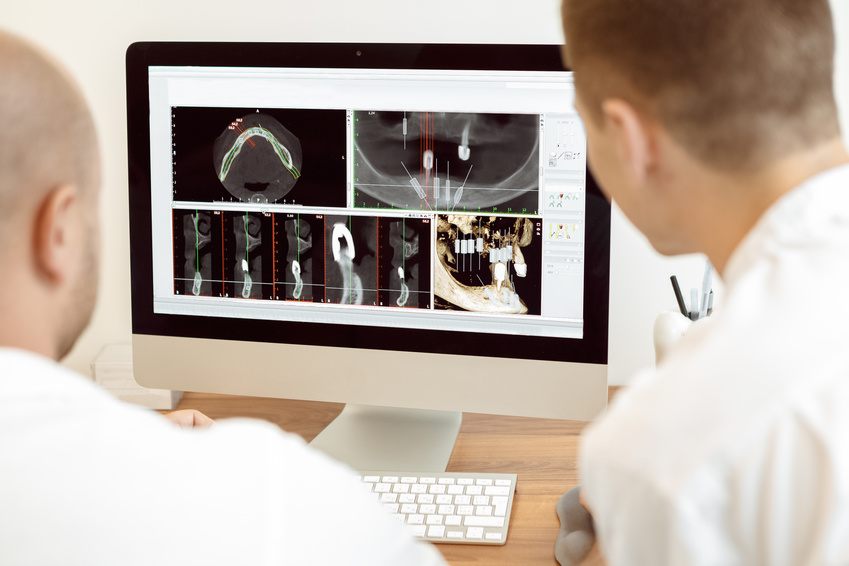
<point>378,261</point>
<point>488,264</point>
<point>448,162</point>
<point>257,159</point>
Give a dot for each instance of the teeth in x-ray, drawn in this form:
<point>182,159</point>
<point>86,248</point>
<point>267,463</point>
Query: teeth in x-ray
<point>405,291</point>
<point>427,160</point>
<point>340,231</point>
<point>299,283</point>
<point>196,285</point>
<point>463,151</point>
<point>246,288</point>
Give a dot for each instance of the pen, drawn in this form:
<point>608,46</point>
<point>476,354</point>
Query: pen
<point>706,284</point>
<point>678,296</point>
<point>710,303</point>
<point>694,304</point>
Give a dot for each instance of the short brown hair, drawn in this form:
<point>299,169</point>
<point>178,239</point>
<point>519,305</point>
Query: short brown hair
<point>737,83</point>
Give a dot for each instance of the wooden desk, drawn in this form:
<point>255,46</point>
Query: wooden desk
<point>542,452</point>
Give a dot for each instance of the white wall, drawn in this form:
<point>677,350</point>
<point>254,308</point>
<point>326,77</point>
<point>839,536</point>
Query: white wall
<point>91,36</point>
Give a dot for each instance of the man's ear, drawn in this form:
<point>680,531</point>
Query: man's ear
<point>632,138</point>
<point>55,233</point>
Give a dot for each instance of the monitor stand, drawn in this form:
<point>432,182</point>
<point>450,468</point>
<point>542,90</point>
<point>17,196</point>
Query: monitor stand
<point>391,439</point>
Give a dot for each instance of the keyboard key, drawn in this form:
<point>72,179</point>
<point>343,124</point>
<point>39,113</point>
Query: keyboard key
<point>446,510</point>
<point>408,479</point>
<point>465,481</point>
<point>388,498</point>
<point>465,510</point>
<point>419,488</point>
<point>391,507</point>
<point>390,479</point>
<point>382,488</point>
<point>496,490</point>
<point>483,510</point>
<point>506,483</point>
<point>415,519</point>
<point>433,520</point>
<point>475,521</point>
<point>455,535</point>
<point>418,530</point>
<point>453,520</point>
<point>481,500</point>
<point>474,490</point>
<point>494,536</point>
<point>436,489</point>
<point>500,510</point>
<point>474,532</point>
<point>446,481</point>
<point>479,481</point>
<point>455,489</point>
<point>371,479</point>
<point>427,509</point>
<point>425,498</point>
<point>444,499</point>
<point>436,531</point>
<point>406,498</point>
<point>462,500</point>
<point>427,480</point>
<point>408,508</point>
<point>400,488</point>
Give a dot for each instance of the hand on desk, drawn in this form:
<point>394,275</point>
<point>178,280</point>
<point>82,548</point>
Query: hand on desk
<point>189,418</point>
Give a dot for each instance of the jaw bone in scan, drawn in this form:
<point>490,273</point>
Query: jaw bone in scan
<point>248,260</point>
<point>257,159</point>
<point>448,162</point>
<point>197,265</point>
<point>481,267</point>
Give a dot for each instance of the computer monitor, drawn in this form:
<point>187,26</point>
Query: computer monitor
<point>408,229</point>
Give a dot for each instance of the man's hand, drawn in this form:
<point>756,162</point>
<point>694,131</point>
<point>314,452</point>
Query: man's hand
<point>189,418</point>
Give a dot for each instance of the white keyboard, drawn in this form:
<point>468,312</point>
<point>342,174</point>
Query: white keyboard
<point>447,507</point>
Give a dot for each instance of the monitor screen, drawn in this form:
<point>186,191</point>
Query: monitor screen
<point>395,199</point>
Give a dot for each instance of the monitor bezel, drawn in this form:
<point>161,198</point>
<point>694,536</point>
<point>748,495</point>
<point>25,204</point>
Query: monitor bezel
<point>592,348</point>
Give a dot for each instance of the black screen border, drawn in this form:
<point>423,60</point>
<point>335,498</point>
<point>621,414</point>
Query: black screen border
<point>592,348</point>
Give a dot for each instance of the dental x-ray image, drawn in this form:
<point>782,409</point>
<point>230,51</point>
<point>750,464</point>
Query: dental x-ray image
<point>488,264</point>
<point>379,261</point>
<point>197,257</point>
<point>259,155</point>
<point>450,162</point>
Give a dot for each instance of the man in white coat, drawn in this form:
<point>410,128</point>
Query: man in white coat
<point>85,479</point>
<point>713,124</point>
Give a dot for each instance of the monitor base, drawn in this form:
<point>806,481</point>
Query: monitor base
<point>388,438</point>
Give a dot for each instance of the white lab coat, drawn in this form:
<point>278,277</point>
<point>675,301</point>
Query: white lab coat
<point>736,449</point>
<point>88,480</point>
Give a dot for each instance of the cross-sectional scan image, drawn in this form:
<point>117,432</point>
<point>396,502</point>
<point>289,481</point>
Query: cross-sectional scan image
<point>248,258</point>
<point>380,261</point>
<point>197,257</point>
<point>283,156</point>
<point>299,250</point>
<point>223,254</point>
<point>488,264</point>
<point>448,162</point>
<point>270,165</point>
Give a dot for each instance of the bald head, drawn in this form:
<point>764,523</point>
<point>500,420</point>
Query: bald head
<point>47,136</point>
<point>49,179</point>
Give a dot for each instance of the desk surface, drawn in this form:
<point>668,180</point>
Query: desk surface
<point>542,452</point>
